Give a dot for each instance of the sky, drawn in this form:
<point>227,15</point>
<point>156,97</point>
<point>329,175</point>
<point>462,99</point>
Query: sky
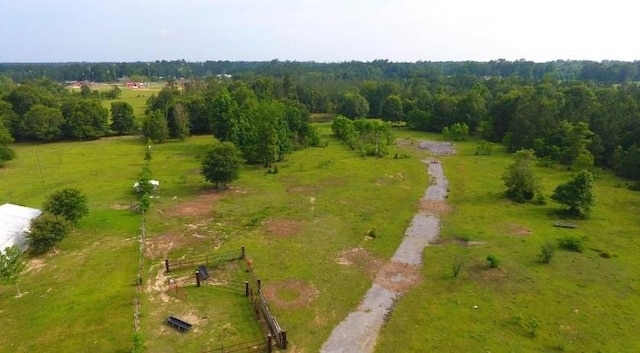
<point>317,30</point>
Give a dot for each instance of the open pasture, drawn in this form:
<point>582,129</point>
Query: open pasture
<point>317,232</point>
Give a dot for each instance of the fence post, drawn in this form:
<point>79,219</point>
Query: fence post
<point>283,338</point>
<point>269,343</point>
<point>242,253</point>
<point>197,278</point>
<point>166,265</point>
<point>246,288</point>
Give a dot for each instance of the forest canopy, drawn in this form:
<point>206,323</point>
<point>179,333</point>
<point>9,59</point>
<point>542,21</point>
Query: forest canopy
<point>577,113</point>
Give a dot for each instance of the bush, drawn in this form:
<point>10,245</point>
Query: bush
<point>494,262</point>
<point>69,203</point>
<point>539,200</point>
<point>458,262</point>
<point>572,242</point>
<point>46,231</point>
<point>547,251</point>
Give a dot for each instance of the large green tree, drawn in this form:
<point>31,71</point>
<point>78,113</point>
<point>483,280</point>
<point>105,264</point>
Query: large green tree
<point>155,126</point>
<point>69,203</point>
<point>11,265</point>
<point>346,131</point>
<point>42,123</point>
<point>87,119</point>
<point>576,195</point>
<point>224,113</point>
<point>221,164</point>
<point>392,108</point>
<point>520,179</point>
<point>178,121</point>
<point>122,118</point>
<point>353,105</point>
<point>6,152</point>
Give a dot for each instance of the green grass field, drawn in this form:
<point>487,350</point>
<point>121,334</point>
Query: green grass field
<point>580,302</point>
<point>298,227</point>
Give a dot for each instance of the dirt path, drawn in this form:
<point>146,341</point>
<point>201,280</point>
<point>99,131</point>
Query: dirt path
<point>358,332</point>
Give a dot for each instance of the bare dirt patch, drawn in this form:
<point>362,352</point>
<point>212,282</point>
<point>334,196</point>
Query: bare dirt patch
<point>481,273</point>
<point>160,246</point>
<point>515,230</point>
<point>35,265</point>
<point>200,205</point>
<point>122,206</point>
<point>283,227</point>
<point>438,148</point>
<point>303,189</point>
<point>290,294</point>
<point>157,287</point>
<point>406,142</point>
<point>360,258</point>
<point>398,277</point>
<point>437,208</point>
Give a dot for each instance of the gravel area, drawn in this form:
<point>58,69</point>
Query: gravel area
<point>359,331</point>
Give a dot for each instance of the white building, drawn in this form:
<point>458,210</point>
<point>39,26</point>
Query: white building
<point>14,225</point>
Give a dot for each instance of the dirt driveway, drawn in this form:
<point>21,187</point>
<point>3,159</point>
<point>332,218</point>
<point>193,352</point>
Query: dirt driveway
<point>358,332</point>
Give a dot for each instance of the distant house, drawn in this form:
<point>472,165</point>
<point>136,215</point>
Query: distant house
<point>14,225</point>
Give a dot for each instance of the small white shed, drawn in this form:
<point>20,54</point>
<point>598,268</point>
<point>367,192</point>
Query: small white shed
<point>14,225</point>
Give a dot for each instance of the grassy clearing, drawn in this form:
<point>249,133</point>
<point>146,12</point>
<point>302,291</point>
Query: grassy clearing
<point>80,297</point>
<point>579,302</point>
<point>295,225</point>
<point>136,97</point>
<point>305,231</point>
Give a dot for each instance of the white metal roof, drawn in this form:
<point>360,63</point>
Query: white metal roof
<point>14,223</point>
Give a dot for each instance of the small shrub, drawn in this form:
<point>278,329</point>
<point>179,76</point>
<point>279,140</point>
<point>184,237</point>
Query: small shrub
<point>254,221</point>
<point>539,199</point>
<point>483,148</point>
<point>145,202</point>
<point>532,326</point>
<point>635,186</point>
<point>371,233</point>
<point>547,251</point>
<point>138,343</point>
<point>457,265</point>
<point>572,242</point>
<point>494,262</point>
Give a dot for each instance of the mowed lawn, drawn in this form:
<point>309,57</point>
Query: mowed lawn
<point>580,302</point>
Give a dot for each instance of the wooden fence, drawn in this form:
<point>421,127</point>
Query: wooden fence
<point>264,315</point>
<point>207,260</point>
<point>260,345</point>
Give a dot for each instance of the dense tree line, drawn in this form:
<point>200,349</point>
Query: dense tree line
<point>601,72</point>
<point>567,112</point>
<point>42,110</point>
<point>265,126</point>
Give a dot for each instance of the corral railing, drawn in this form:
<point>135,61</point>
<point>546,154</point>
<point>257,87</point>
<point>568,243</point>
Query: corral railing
<point>264,315</point>
<point>208,260</point>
